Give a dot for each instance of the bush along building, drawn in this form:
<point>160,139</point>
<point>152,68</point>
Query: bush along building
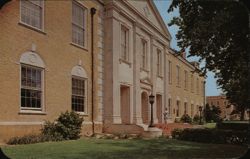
<point>101,59</point>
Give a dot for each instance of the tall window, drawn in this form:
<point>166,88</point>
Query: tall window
<point>197,86</point>
<point>185,108</point>
<point>78,94</point>
<point>144,54</point>
<point>178,108</point>
<point>192,83</point>
<point>32,13</point>
<point>169,72</point>
<point>159,63</point>
<point>192,110</point>
<point>31,87</point>
<point>124,43</point>
<point>185,79</point>
<point>78,24</point>
<point>170,107</point>
<point>178,75</point>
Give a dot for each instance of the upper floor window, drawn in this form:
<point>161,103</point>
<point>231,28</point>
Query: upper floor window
<point>159,63</point>
<point>192,83</point>
<point>197,86</point>
<point>169,72</point>
<point>178,80</point>
<point>144,54</point>
<point>185,79</point>
<point>32,13</point>
<point>78,24</point>
<point>124,43</point>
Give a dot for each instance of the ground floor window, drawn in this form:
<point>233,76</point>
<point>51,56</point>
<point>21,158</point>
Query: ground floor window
<point>178,108</point>
<point>78,99</point>
<point>31,87</point>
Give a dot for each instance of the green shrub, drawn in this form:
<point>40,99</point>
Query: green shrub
<point>211,136</point>
<point>241,126</point>
<point>67,126</point>
<point>27,139</point>
<point>176,133</point>
<point>196,119</point>
<point>186,119</point>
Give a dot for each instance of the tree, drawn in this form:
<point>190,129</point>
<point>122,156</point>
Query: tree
<point>212,113</point>
<point>218,33</point>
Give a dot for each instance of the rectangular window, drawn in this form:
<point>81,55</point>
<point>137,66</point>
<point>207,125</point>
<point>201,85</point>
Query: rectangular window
<point>124,43</point>
<point>159,63</point>
<point>144,55</point>
<point>78,24</point>
<point>197,86</point>
<point>192,83</point>
<point>177,108</point>
<point>169,72</point>
<point>32,13</point>
<point>170,107</point>
<point>185,79</point>
<point>78,94</point>
<point>185,108</point>
<point>192,110</point>
<point>178,75</point>
<point>31,88</point>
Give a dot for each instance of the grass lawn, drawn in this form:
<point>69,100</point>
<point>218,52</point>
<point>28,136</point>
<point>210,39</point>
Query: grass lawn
<point>210,125</point>
<point>122,149</point>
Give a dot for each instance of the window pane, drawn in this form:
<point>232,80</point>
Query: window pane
<point>31,92</point>
<point>78,94</point>
<point>31,12</point>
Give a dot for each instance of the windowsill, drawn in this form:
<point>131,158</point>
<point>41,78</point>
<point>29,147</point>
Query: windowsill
<point>143,69</point>
<point>79,46</point>
<point>31,112</point>
<point>178,86</point>
<point>32,28</point>
<point>125,61</point>
<point>82,113</point>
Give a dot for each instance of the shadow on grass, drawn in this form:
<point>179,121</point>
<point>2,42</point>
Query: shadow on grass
<point>2,155</point>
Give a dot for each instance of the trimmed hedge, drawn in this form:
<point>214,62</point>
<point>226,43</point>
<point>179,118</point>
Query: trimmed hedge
<point>211,136</point>
<point>239,126</point>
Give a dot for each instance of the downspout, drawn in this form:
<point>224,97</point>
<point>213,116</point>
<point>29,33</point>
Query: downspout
<point>92,11</point>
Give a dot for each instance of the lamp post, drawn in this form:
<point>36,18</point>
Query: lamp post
<point>151,101</point>
<point>200,110</point>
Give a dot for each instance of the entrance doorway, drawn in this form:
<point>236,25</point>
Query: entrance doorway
<point>145,108</point>
<point>159,107</point>
<point>125,104</point>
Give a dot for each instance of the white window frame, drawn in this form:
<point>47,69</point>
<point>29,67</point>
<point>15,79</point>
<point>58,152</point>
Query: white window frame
<point>144,54</point>
<point>186,79</point>
<point>85,108</point>
<point>159,63</point>
<point>42,89</point>
<point>42,18</point>
<point>85,28</point>
<point>170,72</point>
<point>126,45</point>
<point>178,78</point>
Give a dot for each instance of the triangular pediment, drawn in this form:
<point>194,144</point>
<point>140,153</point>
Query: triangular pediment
<point>148,9</point>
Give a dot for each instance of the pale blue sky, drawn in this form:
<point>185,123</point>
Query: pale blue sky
<point>162,5</point>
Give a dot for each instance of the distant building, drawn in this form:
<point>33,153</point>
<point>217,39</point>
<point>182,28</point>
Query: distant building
<point>224,105</point>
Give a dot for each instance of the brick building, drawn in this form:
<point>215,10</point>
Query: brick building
<point>221,102</point>
<point>48,66</point>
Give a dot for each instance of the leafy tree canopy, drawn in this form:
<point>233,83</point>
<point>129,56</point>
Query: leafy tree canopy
<point>218,33</point>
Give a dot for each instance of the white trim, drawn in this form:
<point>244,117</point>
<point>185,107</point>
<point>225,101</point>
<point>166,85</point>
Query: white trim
<point>6,123</point>
<point>79,71</point>
<point>42,21</point>
<point>33,59</point>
